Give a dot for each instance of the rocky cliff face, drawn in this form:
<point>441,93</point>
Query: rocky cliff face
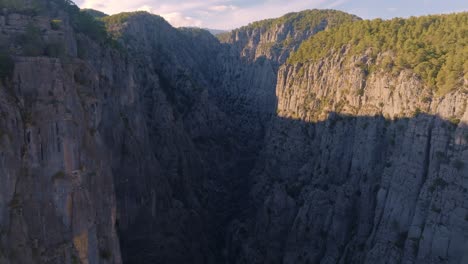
<point>166,146</point>
<point>251,59</point>
<point>58,202</point>
<point>93,122</point>
<point>358,167</point>
<point>173,219</point>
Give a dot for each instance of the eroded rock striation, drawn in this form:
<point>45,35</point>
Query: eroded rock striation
<point>352,172</point>
<point>141,143</point>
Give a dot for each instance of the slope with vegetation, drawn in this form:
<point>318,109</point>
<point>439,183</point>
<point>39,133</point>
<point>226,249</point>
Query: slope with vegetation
<point>305,20</point>
<point>276,38</point>
<point>434,47</point>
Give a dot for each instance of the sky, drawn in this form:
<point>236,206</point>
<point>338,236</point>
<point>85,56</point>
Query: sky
<point>230,14</point>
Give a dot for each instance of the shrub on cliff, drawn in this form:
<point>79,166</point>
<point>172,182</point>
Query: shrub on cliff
<point>55,24</point>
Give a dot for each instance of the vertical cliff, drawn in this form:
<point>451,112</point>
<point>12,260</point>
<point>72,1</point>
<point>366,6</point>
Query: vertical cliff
<point>105,137</point>
<point>364,163</point>
<point>57,203</point>
<point>251,58</point>
<point>166,206</point>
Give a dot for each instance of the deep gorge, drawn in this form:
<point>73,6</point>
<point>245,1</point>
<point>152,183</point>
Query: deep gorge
<point>125,140</point>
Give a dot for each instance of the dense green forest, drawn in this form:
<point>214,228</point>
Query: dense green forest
<point>94,13</point>
<point>304,20</point>
<point>300,21</point>
<point>123,17</point>
<point>434,47</point>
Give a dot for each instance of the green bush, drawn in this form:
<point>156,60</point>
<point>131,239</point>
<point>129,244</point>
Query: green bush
<point>454,121</point>
<point>55,24</point>
<point>417,112</point>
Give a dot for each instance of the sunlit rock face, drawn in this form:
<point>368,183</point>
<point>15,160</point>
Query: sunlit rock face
<point>168,145</point>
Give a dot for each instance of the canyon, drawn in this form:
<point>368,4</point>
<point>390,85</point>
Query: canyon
<point>139,142</point>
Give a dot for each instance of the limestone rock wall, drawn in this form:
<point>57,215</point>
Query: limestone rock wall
<point>58,203</point>
<point>358,167</point>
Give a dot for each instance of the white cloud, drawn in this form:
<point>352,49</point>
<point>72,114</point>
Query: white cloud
<point>113,7</point>
<point>146,8</point>
<point>222,8</point>
<point>177,19</point>
<point>362,12</point>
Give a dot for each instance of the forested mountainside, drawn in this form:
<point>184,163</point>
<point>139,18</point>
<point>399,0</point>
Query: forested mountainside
<point>434,47</point>
<point>125,140</point>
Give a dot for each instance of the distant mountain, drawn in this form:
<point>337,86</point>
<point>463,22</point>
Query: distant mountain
<point>95,13</point>
<point>216,31</point>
